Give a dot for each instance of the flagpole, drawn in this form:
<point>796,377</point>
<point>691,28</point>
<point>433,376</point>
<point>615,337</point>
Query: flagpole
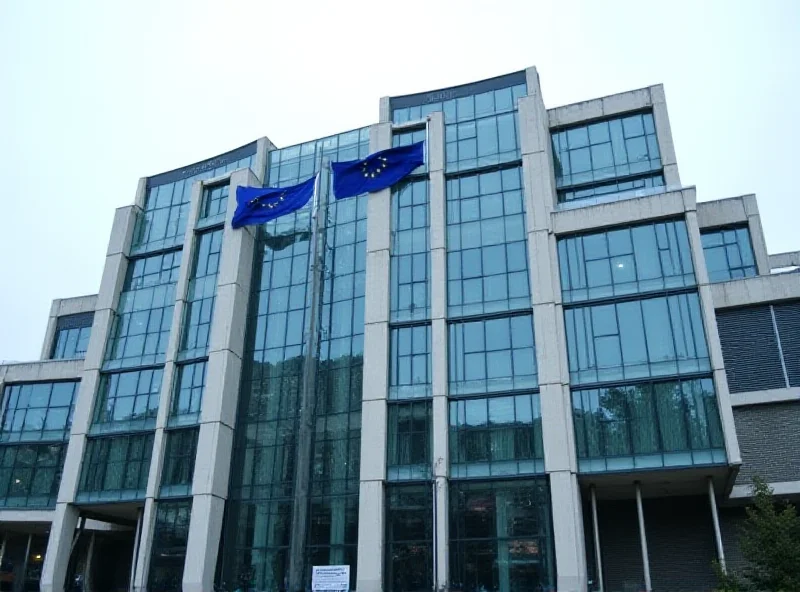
<point>302,477</point>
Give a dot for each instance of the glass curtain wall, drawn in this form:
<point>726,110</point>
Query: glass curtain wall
<point>261,523</point>
<point>634,324</point>
<point>729,253</point>
<point>72,336</point>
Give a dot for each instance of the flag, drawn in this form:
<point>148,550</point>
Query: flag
<point>377,171</point>
<point>256,205</point>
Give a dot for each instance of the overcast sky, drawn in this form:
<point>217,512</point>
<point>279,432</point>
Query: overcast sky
<point>94,95</point>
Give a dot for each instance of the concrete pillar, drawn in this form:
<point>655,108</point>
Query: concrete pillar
<point>66,515</point>
<point>371,525</point>
<point>50,332</point>
<point>648,586</point>
<point>550,338</point>
<point>712,499</point>
<point>666,146</point>
<point>218,415</point>
<point>757,239</point>
<point>712,334</point>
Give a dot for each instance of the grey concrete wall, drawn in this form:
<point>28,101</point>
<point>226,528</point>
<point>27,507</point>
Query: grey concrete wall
<point>62,307</point>
<point>768,437</point>
<point>790,259</point>
<point>756,290</point>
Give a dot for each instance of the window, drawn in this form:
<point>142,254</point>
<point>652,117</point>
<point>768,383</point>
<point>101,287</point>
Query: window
<point>179,458</point>
<point>187,396</point>
<point>487,260</point>
<point>162,224</point>
<point>467,107</point>
<point>411,371</point>
<point>636,339</point>
<point>409,538</point>
<point>496,436</point>
<point>642,185</point>
<point>648,425</point>
<point>72,336</point>
<point>127,401</point>
<point>492,355</point>
<point>333,534</point>
<point>411,258</point>
<point>141,326</point>
<point>625,261</point>
<point>30,475</point>
<point>501,536</point>
<point>760,346</point>
<point>406,138</point>
<point>37,411</point>
<point>729,254</point>
<point>409,441</point>
<point>200,296</point>
<point>598,152</point>
<point>115,468</point>
<point>215,204</point>
<point>170,536</point>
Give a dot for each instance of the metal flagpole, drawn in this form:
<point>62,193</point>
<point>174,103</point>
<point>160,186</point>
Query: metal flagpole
<point>305,431</point>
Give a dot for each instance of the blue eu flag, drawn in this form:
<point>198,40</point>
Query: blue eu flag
<point>377,171</point>
<point>256,205</point>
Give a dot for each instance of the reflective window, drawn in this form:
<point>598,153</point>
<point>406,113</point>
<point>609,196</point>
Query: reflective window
<point>501,536</point>
<point>214,205</point>
<point>637,339</point>
<point>199,306</point>
<point>463,108</point>
<point>409,538</point>
<point>162,224</point>
<point>410,259</point>
<point>492,355</point>
<point>648,425</point>
<point>496,436</point>
<point>487,260</point>
<point>179,457</point>
<point>651,183</point>
<point>30,475</point>
<point>409,441</point>
<point>127,401</point>
<point>597,152</point>
<point>406,138</point>
<point>625,261</point>
<point>38,411</point>
<point>140,329</point>
<point>410,372</point>
<point>728,253</point>
<point>170,535</point>
<point>187,395</point>
<point>115,468</point>
<point>72,336</point>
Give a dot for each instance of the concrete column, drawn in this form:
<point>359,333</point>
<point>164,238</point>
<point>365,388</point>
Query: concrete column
<point>648,586</point>
<point>65,515</point>
<point>712,499</point>
<point>385,110</point>
<point>598,556</point>
<point>550,338</point>
<point>218,415</point>
<point>712,336</point>
<point>756,234</point>
<point>371,525</point>
<point>50,332</point>
<point>664,135</point>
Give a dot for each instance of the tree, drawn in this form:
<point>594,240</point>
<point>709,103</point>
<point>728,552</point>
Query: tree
<point>770,544</point>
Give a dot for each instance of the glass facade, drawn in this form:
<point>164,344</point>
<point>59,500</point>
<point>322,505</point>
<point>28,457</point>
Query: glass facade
<point>409,538</point>
<point>214,204</point>
<point>162,224</point>
<point>492,355</point>
<point>261,524</point>
<point>587,156</point>
<point>140,329</point>
<point>410,366</point>
<point>648,425</point>
<point>728,253</point>
<point>623,261</point>
<point>487,263</point>
<point>72,336</point>
<point>501,536</point>
<point>409,441</point>
<point>187,395</point>
<point>39,411</point>
<point>115,468</point>
<point>496,436</point>
<point>199,306</point>
<point>127,401</point>
<point>30,474</point>
<point>170,535</point>
<point>410,255</point>
<point>179,458</point>
<point>660,336</point>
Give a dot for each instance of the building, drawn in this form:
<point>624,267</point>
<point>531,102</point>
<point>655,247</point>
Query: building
<point>540,362</point>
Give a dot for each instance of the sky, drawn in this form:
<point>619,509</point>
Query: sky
<point>94,95</point>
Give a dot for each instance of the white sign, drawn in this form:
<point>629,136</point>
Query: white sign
<point>330,577</point>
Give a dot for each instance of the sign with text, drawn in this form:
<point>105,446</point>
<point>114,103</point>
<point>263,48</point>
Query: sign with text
<point>330,577</point>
